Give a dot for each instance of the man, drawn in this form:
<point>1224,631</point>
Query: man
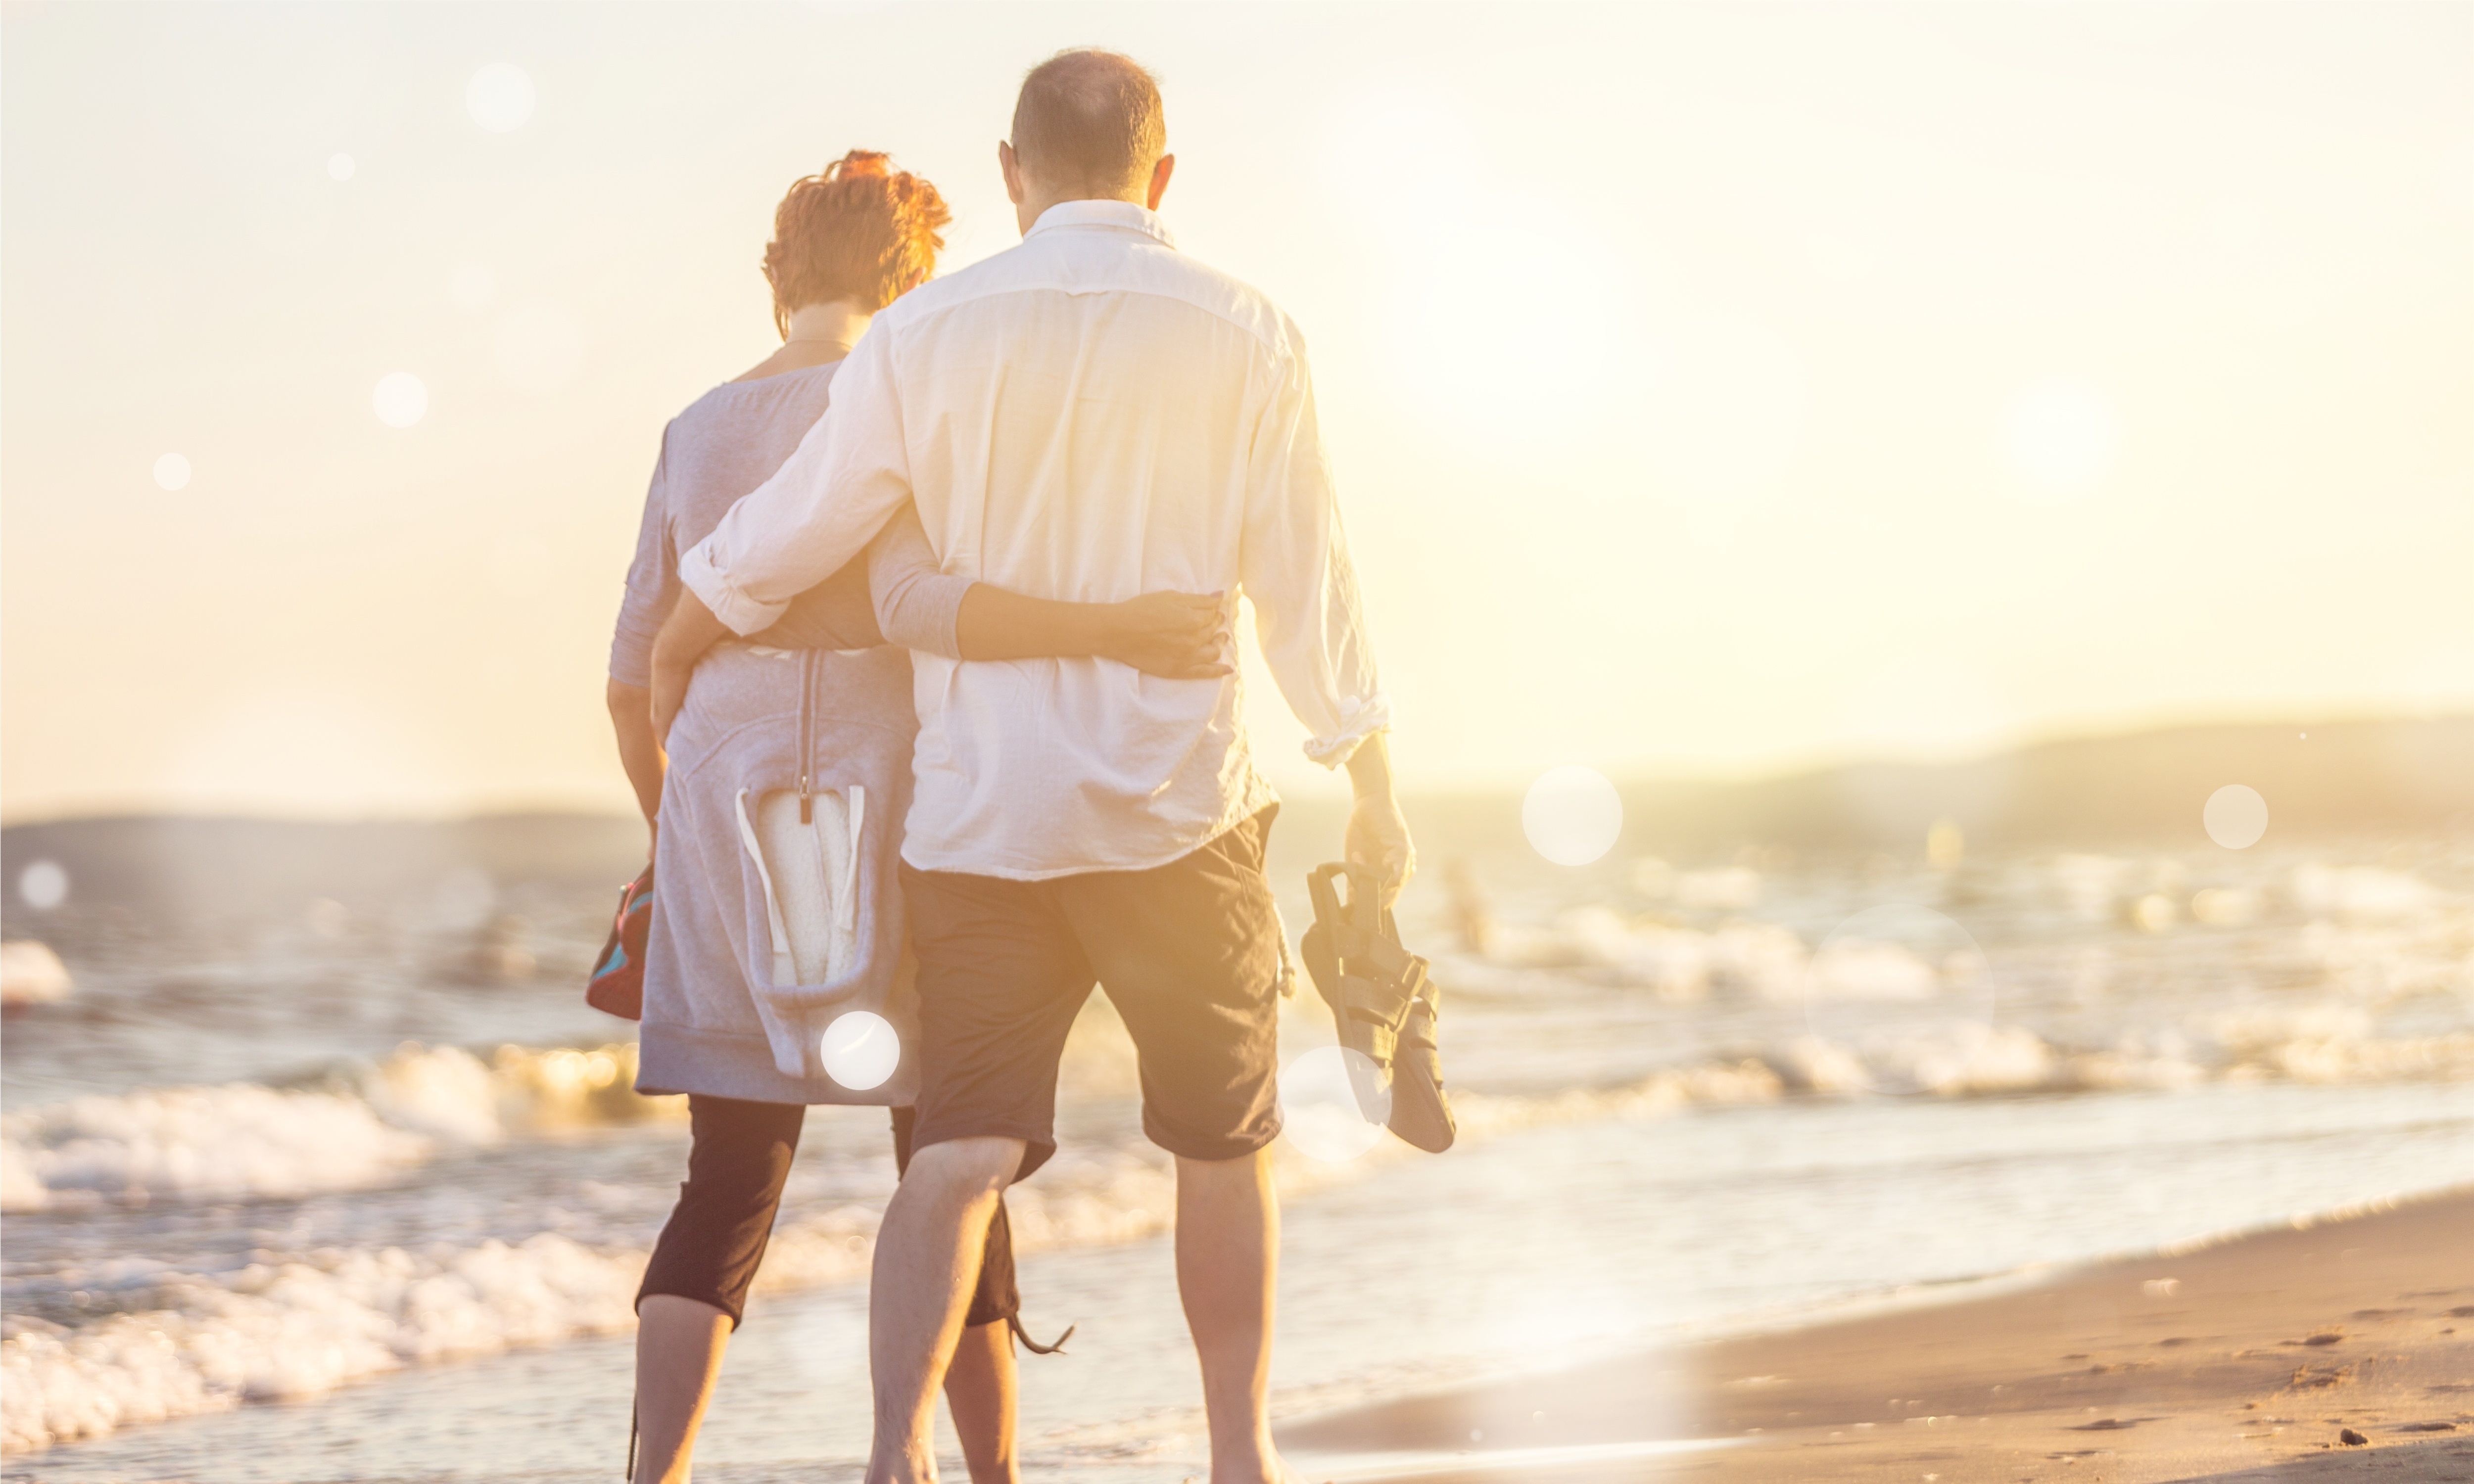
<point>1089,415</point>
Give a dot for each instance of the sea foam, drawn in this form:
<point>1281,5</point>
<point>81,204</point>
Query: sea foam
<point>352,1129</point>
<point>302,1328</point>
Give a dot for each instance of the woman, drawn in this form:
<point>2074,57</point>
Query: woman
<point>811,719</point>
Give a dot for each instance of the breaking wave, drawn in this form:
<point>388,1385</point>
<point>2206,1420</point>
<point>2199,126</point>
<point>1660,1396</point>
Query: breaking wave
<point>349,1131</point>
<point>301,1328</point>
<point>187,1343</point>
<point>182,1343</point>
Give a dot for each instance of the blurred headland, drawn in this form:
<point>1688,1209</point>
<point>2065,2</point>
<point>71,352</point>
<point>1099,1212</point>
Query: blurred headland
<point>2405,777</point>
<point>2320,779</point>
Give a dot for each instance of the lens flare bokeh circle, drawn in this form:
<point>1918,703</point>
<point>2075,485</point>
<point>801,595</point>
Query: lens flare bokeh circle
<point>43,885</point>
<point>2236,816</point>
<point>500,97</point>
<point>399,399</point>
<point>1572,815</point>
<point>861,1049</point>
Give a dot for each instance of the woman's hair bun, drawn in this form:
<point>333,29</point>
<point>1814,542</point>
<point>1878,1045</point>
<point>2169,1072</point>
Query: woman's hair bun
<point>859,229</point>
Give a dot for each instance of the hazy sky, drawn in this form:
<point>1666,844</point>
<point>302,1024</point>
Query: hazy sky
<point>1716,386</point>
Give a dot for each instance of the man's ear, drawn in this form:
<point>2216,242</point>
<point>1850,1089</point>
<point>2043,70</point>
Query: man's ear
<point>1011,166</point>
<point>1160,173</point>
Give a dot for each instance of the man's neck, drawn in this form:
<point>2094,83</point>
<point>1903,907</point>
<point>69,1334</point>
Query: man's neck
<point>1027,215</point>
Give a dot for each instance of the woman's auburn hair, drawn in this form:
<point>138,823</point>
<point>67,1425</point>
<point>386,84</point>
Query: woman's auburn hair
<point>859,231</point>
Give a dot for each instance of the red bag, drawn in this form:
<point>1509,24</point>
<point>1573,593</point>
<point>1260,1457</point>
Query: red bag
<point>617,986</point>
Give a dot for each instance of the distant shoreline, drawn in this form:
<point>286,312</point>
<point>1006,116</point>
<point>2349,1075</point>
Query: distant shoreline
<point>2256,1352</point>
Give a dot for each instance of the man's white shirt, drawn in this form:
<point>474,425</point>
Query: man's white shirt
<point>1088,417</point>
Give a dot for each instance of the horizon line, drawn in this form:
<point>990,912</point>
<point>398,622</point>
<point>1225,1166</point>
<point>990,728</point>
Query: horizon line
<point>575,806</point>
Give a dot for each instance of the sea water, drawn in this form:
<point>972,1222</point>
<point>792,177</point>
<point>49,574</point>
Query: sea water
<point>328,1195</point>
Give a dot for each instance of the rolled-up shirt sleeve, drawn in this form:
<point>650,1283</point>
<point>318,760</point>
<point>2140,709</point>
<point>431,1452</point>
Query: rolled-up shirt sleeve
<point>819,509</point>
<point>1308,615</point>
<point>917,606</point>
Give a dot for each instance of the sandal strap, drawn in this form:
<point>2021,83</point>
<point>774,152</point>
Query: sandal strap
<point>1055,1347</point>
<point>1377,1001</point>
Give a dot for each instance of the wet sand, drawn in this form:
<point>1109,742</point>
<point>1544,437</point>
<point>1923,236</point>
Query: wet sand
<point>2250,1358</point>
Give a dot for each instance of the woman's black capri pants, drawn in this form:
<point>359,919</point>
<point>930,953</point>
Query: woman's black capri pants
<point>741,1158</point>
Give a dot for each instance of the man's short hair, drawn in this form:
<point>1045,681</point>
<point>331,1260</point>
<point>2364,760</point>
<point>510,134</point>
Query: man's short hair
<point>1090,119</point>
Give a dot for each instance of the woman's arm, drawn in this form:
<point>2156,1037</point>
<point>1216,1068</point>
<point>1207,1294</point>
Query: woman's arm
<point>1179,635</point>
<point>631,717</point>
<point>652,591</point>
<point>1176,635</point>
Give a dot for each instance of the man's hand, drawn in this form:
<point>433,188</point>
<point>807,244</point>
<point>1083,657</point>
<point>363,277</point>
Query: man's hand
<point>686,635</point>
<point>1378,833</point>
<point>1177,636</point>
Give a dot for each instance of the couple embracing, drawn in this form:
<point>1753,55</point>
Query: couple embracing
<point>951,729</point>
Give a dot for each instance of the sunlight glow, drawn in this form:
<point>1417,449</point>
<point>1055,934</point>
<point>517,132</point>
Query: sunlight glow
<point>2062,436</point>
<point>172,472</point>
<point>1451,262</point>
<point>341,166</point>
<point>1725,408</point>
<point>1927,705</point>
<point>1846,250</point>
<point>318,746</point>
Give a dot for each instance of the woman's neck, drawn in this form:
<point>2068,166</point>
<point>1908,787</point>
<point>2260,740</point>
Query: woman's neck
<point>818,333</point>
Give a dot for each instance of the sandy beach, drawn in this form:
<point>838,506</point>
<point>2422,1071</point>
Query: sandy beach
<point>2340,1348</point>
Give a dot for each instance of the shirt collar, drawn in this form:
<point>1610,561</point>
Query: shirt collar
<point>1122,214</point>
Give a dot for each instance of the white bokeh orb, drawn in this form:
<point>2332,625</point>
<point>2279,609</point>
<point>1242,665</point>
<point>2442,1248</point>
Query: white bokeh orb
<point>538,347</point>
<point>2062,436</point>
<point>2236,816</point>
<point>172,472</point>
<point>1572,815</point>
<point>399,399</point>
<point>500,97</point>
<point>340,167</point>
<point>861,1049</point>
<point>1334,1103</point>
<point>43,885</point>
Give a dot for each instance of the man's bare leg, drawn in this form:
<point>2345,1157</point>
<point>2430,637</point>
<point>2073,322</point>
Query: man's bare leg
<point>926,1264</point>
<point>1228,1269</point>
<point>980,1389</point>
<point>679,1345</point>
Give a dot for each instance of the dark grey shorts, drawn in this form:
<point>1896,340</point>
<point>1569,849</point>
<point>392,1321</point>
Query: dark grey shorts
<point>1189,952</point>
